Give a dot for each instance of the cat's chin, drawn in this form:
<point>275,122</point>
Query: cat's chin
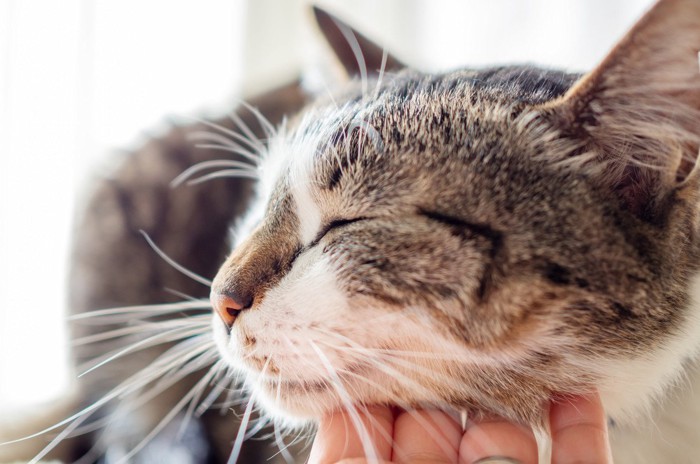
<point>295,402</point>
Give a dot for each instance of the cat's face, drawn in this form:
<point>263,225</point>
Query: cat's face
<point>454,240</point>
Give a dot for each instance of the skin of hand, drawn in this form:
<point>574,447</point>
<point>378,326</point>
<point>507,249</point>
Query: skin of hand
<point>578,428</point>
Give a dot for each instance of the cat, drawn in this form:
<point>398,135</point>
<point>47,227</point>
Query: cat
<point>481,240</point>
<point>477,240</point>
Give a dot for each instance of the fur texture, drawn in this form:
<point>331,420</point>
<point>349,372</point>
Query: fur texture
<point>477,240</point>
<point>482,240</point>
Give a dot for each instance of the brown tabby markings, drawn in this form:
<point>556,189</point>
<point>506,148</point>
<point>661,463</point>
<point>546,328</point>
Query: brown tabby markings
<point>545,221</point>
<point>540,228</point>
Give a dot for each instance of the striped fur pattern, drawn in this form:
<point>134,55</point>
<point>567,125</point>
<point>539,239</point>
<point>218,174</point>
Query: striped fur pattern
<point>480,240</point>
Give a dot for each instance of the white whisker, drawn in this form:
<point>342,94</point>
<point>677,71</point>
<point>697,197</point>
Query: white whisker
<point>178,332</point>
<point>367,445</point>
<point>357,51</point>
<point>207,379</point>
<point>265,123</point>
<point>215,137</point>
<point>382,68</point>
<point>259,425</point>
<point>209,165</point>
<point>246,130</point>
<point>166,419</point>
<point>155,310</point>
<point>194,276</point>
<point>250,143</point>
<point>228,400</point>
<point>180,294</point>
<point>240,436</point>
<point>213,395</point>
<point>135,382</point>
<point>223,173</point>
<point>282,447</point>
<point>233,148</point>
<point>143,328</point>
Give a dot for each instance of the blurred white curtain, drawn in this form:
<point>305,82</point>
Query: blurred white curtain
<point>79,78</point>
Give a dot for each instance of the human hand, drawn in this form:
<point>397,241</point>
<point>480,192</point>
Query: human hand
<point>578,429</point>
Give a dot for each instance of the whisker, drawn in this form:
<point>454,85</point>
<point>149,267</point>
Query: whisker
<point>193,351</point>
<point>367,446</point>
<point>384,367</point>
<point>228,400</point>
<point>233,148</point>
<point>157,339</point>
<point>131,384</point>
<point>189,362</point>
<point>180,294</point>
<point>265,123</point>
<point>357,51</point>
<point>73,424</point>
<point>186,174</point>
<point>141,328</point>
<point>76,418</point>
<point>215,137</point>
<point>155,310</point>
<point>398,376</point>
<point>246,130</point>
<point>166,419</point>
<point>282,447</point>
<point>207,379</point>
<point>296,351</point>
<point>181,333</point>
<point>213,395</point>
<point>231,133</point>
<point>259,425</point>
<point>382,68</point>
<point>427,426</point>
<point>238,443</point>
<point>329,94</point>
<point>223,173</point>
<point>194,276</point>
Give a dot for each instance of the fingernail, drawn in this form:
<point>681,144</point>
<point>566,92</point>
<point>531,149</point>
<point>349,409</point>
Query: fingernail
<point>497,460</point>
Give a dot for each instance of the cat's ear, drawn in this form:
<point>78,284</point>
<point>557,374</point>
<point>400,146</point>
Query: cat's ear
<point>638,112</point>
<point>353,49</point>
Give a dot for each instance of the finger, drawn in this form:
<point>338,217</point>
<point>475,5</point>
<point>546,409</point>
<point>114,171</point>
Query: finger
<point>579,431</point>
<point>426,437</point>
<point>362,461</point>
<point>495,437</point>
<point>338,436</point>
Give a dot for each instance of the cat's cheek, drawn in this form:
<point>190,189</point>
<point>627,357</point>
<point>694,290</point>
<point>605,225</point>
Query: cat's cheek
<point>296,319</point>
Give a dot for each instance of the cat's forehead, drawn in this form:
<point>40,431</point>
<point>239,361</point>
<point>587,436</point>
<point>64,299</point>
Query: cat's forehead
<point>360,151</point>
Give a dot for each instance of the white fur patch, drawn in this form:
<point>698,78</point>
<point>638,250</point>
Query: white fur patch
<point>302,151</point>
<point>639,382</point>
<point>308,213</point>
<point>274,163</point>
<point>293,157</point>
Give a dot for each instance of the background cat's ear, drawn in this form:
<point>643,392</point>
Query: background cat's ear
<point>342,38</point>
<point>638,112</point>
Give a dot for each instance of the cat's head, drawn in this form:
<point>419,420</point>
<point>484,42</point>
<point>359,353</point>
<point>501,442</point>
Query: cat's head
<point>477,239</point>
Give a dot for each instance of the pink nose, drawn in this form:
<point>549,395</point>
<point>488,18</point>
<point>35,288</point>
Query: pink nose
<point>226,307</point>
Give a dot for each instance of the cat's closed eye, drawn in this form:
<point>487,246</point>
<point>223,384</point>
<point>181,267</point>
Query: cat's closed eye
<point>332,225</point>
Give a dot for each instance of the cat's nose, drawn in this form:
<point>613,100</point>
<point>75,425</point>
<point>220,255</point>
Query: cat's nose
<point>228,306</point>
